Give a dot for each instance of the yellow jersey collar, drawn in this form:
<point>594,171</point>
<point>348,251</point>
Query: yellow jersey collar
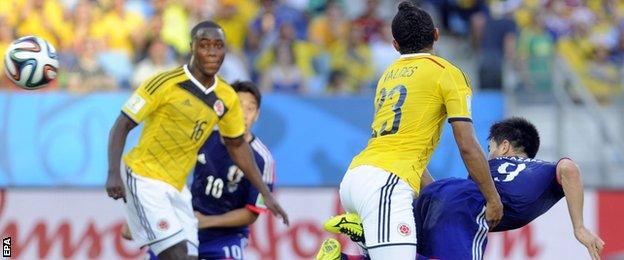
<point>197,83</point>
<point>411,55</point>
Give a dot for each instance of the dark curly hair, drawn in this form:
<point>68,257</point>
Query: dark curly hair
<point>412,28</point>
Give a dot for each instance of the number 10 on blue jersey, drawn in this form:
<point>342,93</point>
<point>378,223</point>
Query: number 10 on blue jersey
<point>396,108</point>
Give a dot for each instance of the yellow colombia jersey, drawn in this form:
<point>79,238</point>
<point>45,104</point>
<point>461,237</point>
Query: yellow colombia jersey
<point>179,114</point>
<point>414,96</point>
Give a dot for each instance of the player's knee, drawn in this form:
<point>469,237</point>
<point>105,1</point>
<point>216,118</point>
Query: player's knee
<point>177,251</point>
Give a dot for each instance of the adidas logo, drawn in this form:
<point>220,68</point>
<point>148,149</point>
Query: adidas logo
<point>186,102</point>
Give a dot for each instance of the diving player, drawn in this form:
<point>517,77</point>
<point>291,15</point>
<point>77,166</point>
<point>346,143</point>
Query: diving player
<point>449,213</point>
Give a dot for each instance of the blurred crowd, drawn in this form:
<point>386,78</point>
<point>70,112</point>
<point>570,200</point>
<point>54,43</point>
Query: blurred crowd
<point>526,36</point>
<point>318,46</point>
<point>285,46</point>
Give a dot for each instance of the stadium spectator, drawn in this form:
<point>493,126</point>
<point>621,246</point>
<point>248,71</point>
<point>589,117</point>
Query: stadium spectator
<point>159,59</point>
<point>462,17</point>
<point>234,24</point>
<point>81,22</point>
<point>43,18</point>
<point>354,58</point>
<point>264,28</point>
<point>497,45</point>
<point>330,27</point>
<point>369,22</point>
<point>383,52</point>
<point>9,10</point>
<point>337,84</point>
<point>283,76</point>
<point>234,68</point>
<point>175,21</point>
<point>153,31</point>
<point>535,54</point>
<point>317,7</point>
<point>304,52</point>
<point>89,75</point>
<point>6,37</point>
<point>197,11</point>
<point>121,30</point>
<point>602,70</point>
<point>617,53</point>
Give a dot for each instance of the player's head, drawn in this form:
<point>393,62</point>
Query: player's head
<point>250,99</point>
<point>413,30</point>
<point>207,47</point>
<point>513,137</point>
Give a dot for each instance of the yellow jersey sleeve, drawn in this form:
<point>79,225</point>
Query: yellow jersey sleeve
<point>232,124</point>
<point>457,94</point>
<point>144,100</point>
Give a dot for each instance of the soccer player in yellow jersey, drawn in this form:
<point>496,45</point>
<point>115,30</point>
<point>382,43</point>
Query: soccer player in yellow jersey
<point>179,109</point>
<point>414,97</point>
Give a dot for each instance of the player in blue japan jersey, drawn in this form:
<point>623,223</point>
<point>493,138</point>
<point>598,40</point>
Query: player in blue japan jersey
<point>449,213</point>
<point>528,188</point>
<point>224,201</point>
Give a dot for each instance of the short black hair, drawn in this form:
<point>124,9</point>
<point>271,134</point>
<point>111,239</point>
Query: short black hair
<point>202,25</point>
<point>412,28</point>
<point>519,132</point>
<point>249,87</point>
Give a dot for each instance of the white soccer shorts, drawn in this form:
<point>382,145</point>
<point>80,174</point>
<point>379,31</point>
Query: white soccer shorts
<point>384,203</point>
<point>158,215</point>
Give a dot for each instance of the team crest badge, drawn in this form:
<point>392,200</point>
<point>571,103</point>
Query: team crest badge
<point>163,225</point>
<point>404,229</point>
<point>218,107</point>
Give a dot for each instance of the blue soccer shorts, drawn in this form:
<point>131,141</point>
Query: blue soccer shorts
<point>227,247</point>
<point>450,220</point>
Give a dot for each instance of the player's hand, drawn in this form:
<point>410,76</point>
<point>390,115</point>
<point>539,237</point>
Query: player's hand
<point>276,209</point>
<point>115,187</point>
<point>493,213</point>
<point>125,232</point>
<point>592,242</point>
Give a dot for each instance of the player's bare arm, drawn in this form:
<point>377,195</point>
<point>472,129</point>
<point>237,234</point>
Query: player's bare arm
<point>478,168</point>
<point>426,179</point>
<point>569,175</point>
<point>235,218</point>
<point>116,143</point>
<point>243,158</point>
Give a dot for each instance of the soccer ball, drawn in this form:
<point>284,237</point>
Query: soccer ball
<point>31,62</point>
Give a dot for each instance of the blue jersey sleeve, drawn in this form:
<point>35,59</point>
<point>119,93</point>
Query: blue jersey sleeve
<point>528,188</point>
<point>265,163</point>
